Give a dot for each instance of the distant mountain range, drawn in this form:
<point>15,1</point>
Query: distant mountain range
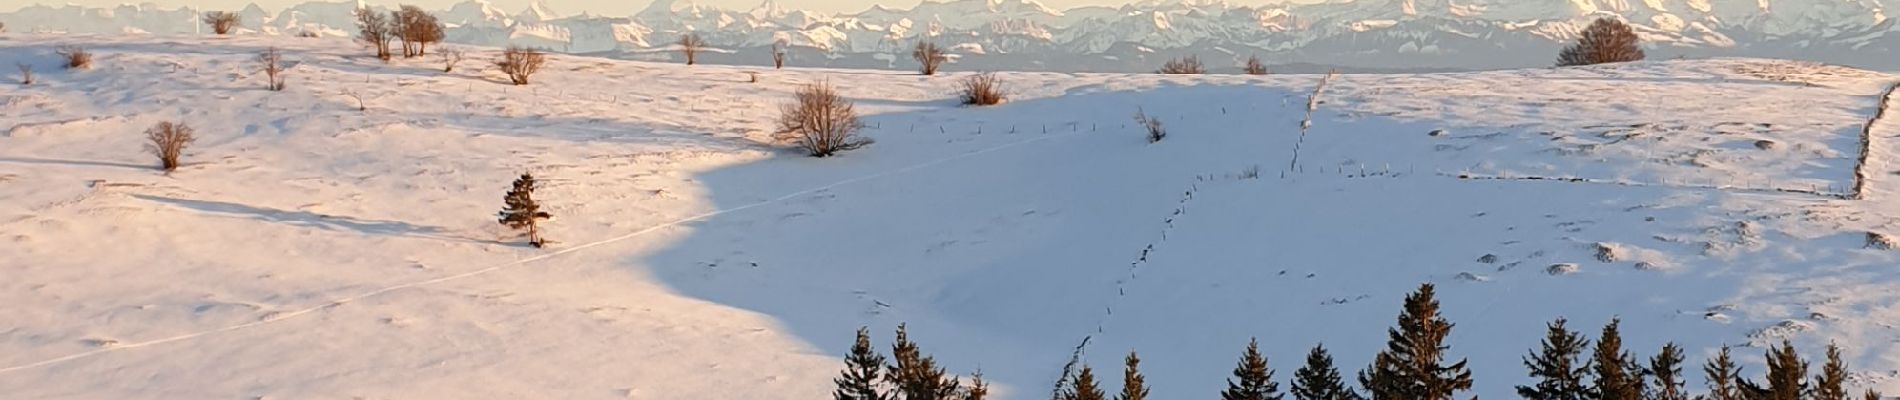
<point>1355,35</point>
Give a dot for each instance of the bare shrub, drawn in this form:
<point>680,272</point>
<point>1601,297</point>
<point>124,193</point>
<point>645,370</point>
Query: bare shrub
<point>450,57</point>
<point>362,100</point>
<point>520,63</point>
<point>820,121</point>
<point>26,73</point>
<point>376,29</point>
<point>417,29</point>
<point>983,89</point>
<point>928,57</point>
<point>273,63</point>
<point>1186,65</point>
<point>778,56</point>
<point>168,141</point>
<point>309,34</point>
<point>1255,67</point>
<point>1606,41</point>
<point>221,21</point>
<point>76,57</point>
<point>1155,131</point>
<point>690,45</point>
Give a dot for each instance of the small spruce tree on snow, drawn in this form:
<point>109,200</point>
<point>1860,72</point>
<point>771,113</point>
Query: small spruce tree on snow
<point>1724,377</point>
<point>1557,368</point>
<point>1083,387</point>
<point>1787,375</point>
<point>1319,380</point>
<point>1412,366</point>
<point>1830,383</point>
<point>1870,395</point>
<point>1618,375</point>
<point>1665,372</point>
<point>915,375</point>
<point>1134,386</point>
<point>1255,379</point>
<point>858,381</point>
<point>522,211</point>
<point>979,389</point>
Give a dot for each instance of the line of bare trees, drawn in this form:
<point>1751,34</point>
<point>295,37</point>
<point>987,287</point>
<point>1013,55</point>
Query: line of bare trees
<point>415,28</point>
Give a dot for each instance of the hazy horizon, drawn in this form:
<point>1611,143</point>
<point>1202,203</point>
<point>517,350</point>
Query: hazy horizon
<point>569,7</point>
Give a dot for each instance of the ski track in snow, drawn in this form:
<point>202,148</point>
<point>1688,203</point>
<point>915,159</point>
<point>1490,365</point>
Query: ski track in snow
<point>523,261</point>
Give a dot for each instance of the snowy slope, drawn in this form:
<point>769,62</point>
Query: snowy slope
<point>309,250</point>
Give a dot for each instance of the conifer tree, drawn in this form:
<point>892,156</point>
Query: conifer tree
<point>1618,375</point>
<point>1870,395</point>
<point>521,211</point>
<point>915,375</point>
<point>1557,367</point>
<point>859,379</point>
<point>1829,385</point>
<point>1666,371</point>
<point>1724,377</point>
<point>1084,387</point>
<point>1412,365</point>
<point>1256,380</point>
<point>1134,386</point>
<point>1787,373</point>
<point>1319,380</point>
<point>979,389</point>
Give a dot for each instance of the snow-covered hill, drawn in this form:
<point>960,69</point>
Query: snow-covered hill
<point>1360,35</point>
<point>309,250</point>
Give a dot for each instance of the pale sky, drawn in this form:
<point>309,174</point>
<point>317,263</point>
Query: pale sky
<point>569,7</point>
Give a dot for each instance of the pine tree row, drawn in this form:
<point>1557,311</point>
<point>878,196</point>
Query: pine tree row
<point>1413,366</point>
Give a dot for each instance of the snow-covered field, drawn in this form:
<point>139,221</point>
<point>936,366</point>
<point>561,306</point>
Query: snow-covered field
<point>309,250</point>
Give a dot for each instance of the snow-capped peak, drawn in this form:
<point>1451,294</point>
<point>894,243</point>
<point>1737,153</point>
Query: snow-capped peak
<point>537,11</point>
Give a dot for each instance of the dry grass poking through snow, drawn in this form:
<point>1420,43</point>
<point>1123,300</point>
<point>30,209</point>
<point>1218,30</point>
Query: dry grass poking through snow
<point>983,89</point>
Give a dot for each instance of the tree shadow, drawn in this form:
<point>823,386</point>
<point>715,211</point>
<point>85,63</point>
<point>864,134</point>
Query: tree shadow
<point>314,220</point>
<point>80,163</point>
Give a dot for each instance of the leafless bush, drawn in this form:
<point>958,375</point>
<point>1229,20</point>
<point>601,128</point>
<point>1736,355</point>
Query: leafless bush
<point>1606,41</point>
<point>308,34</point>
<point>1186,65</point>
<point>26,73</point>
<point>76,57</point>
<point>168,141</point>
<point>273,63</point>
<point>417,29</point>
<point>820,121</point>
<point>1155,131</point>
<point>690,45</point>
<point>221,21</point>
<point>450,57</point>
<point>520,63</point>
<point>1255,67</point>
<point>983,89</point>
<point>928,56</point>
<point>778,56</point>
<point>375,29</point>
